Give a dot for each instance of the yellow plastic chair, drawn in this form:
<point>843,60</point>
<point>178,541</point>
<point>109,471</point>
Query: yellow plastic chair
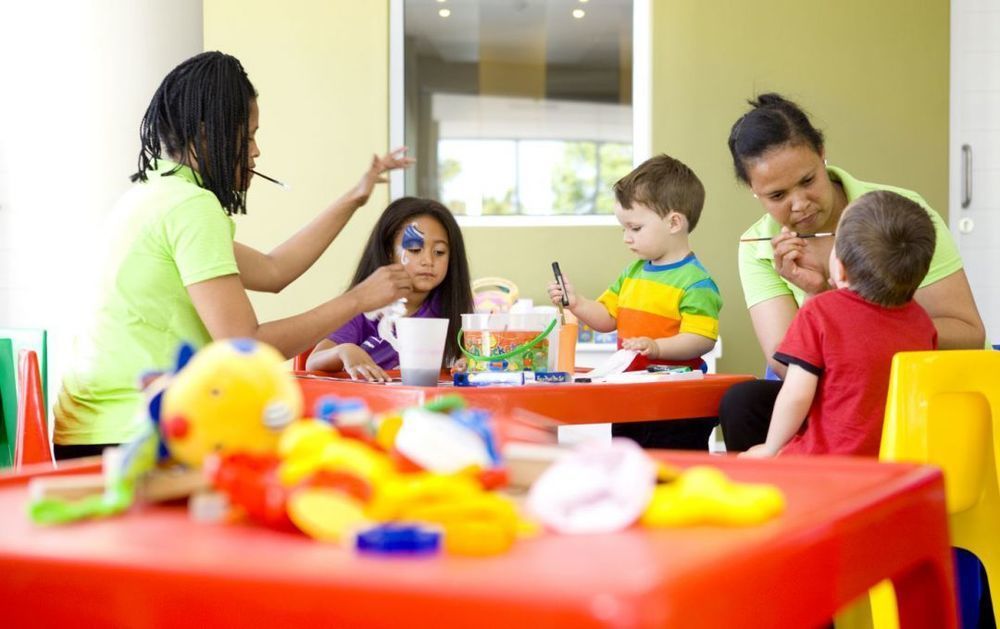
<point>943,409</point>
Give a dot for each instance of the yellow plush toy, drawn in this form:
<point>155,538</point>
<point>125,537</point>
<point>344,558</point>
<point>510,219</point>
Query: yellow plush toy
<point>234,395</point>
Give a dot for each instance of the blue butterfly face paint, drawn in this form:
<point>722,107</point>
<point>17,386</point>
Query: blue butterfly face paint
<point>413,238</point>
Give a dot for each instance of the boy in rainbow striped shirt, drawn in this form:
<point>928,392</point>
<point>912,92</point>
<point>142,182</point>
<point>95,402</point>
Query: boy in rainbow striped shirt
<point>664,305</point>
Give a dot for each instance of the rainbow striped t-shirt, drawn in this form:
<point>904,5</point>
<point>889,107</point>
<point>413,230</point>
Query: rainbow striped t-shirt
<point>661,300</point>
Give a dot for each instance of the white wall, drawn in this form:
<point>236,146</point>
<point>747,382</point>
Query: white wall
<point>75,79</point>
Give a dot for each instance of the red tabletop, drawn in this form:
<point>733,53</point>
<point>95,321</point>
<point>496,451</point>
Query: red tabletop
<point>576,403</point>
<point>849,523</point>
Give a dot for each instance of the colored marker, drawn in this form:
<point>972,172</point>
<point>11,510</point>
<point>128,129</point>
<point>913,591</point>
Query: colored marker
<point>561,282</point>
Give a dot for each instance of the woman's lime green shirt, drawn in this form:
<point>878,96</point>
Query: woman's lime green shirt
<point>163,235</point>
<point>756,259</point>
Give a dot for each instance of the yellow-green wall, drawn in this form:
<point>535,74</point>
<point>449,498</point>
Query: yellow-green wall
<point>874,75</point>
<point>321,71</point>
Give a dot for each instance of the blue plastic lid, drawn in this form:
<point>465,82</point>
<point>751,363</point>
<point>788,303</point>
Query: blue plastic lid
<point>398,539</point>
<point>329,406</point>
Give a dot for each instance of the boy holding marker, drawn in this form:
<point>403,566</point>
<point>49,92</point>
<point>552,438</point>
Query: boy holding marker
<point>664,305</point>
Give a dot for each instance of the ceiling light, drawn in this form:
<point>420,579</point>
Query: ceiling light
<point>579,13</point>
<point>444,12</point>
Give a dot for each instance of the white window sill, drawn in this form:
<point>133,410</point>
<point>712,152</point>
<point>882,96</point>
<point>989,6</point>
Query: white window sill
<point>603,220</point>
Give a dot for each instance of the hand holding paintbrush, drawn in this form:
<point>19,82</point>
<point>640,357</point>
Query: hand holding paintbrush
<point>819,235</point>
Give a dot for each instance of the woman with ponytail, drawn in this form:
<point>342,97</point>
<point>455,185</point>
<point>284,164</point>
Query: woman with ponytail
<point>783,256</point>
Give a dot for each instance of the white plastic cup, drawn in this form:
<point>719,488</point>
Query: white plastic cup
<point>421,349</point>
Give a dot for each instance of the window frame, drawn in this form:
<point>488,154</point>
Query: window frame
<point>641,117</point>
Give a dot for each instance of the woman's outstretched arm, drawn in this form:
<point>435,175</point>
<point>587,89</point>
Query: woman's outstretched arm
<point>272,272</point>
<point>225,309</point>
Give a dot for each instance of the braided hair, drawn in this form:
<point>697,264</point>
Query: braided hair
<point>201,113</point>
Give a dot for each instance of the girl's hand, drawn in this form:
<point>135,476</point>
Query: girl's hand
<point>359,365</point>
<point>381,288</point>
<point>392,160</point>
<point>794,261</point>
<point>644,345</point>
<point>555,293</point>
<point>460,366</point>
<point>759,451</point>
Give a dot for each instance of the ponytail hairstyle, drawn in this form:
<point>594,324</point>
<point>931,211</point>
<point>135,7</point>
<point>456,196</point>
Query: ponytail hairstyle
<point>454,293</point>
<point>201,114</point>
<point>773,121</point>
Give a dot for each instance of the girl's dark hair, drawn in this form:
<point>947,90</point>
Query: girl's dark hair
<point>455,290</point>
<point>202,107</point>
<point>772,121</point>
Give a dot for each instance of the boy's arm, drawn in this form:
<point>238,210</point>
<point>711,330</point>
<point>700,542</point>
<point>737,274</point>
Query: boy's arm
<point>790,410</point>
<point>591,312</point>
<point>683,346</point>
<point>594,314</point>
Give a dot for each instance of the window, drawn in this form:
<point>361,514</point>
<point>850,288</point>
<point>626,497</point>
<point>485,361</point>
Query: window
<point>516,108</point>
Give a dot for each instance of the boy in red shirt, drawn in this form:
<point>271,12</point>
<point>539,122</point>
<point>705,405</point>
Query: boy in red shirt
<point>840,345</point>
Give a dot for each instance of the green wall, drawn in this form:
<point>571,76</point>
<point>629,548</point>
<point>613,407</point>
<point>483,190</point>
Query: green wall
<point>874,75</point>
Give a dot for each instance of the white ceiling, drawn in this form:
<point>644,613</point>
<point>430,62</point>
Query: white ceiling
<point>520,29</point>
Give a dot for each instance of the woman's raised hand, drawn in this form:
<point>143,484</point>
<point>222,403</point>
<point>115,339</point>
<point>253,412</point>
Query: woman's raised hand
<point>381,288</point>
<point>396,158</point>
<point>794,261</point>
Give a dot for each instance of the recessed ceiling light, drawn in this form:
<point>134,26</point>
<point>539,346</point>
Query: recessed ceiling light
<point>579,13</point>
<point>445,0</point>
<point>444,12</point>
<point>581,1</point>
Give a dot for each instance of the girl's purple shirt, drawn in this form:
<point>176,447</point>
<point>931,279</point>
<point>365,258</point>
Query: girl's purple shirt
<point>364,333</point>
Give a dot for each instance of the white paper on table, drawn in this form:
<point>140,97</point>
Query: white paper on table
<point>646,376</point>
<point>613,364</point>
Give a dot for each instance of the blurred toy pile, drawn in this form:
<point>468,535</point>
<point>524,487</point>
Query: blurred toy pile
<point>225,427</point>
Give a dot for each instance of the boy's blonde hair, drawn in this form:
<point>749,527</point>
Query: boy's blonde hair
<point>664,185</point>
<point>885,242</point>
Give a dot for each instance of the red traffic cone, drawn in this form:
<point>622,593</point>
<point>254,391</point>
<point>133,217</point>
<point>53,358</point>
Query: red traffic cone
<point>32,444</point>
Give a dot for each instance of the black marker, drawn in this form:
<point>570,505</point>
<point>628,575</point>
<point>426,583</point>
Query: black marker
<point>561,282</point>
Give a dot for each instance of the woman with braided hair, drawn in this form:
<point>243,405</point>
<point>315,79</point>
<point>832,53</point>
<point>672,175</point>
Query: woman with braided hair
<point>172,271</point>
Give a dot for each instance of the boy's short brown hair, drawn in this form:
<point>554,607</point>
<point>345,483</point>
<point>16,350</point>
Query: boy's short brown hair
<point>885,242</point>
<point>664,185</point>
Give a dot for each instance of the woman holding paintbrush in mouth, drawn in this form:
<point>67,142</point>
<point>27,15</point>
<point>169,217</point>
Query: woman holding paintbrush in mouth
<point>780,156</point>
<point>172,271</point>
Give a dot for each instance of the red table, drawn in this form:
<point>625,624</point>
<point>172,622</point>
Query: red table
<point>577,403</point>
<point>849,523</point>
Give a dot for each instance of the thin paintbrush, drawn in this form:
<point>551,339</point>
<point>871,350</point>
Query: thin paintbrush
<point>819,235</point>
<point>272,179</point>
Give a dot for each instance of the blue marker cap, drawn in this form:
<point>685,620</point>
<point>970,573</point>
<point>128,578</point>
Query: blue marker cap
<point>329,406</point>
<point>398,539</point>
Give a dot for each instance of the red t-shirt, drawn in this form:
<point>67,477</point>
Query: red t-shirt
<point>849,343</point>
